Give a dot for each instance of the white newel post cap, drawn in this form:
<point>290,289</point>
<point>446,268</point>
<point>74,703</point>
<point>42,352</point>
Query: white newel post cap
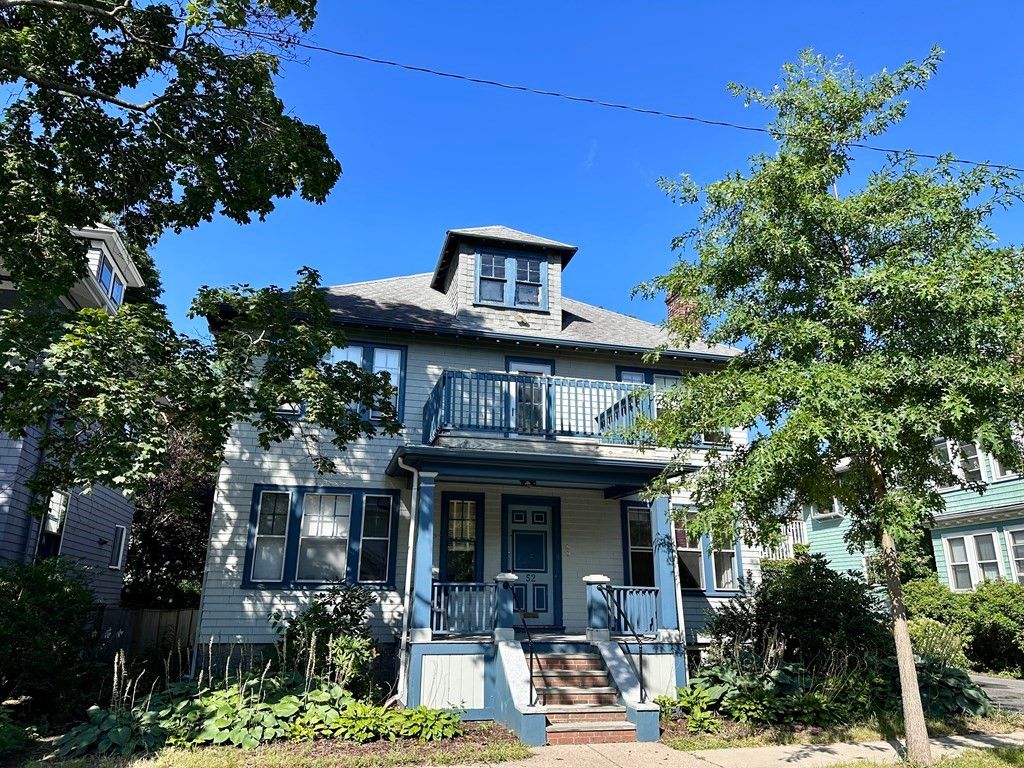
<point>596,579</point>
<point>506,577</point>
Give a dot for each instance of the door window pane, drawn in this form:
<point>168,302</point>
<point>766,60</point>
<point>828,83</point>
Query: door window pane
<point>375,551</point>
<point>323,543</point>
<point>271,529</point>
<point>462,554</point>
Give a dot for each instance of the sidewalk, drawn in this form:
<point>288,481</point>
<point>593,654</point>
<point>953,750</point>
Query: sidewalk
<point>657,755</point>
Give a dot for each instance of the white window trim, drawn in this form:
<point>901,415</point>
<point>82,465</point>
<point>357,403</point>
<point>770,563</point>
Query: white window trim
<point>348,539</point>
<point>972,557</point>
<point>363,537</point>
<point>953,448</point>
<point>699,550</point>
<point>714,570</point>
<point>835,513</point>
<point>123,548</point>
<point>256,538</point>
<point>993,463</point>
<point>1008,536</point>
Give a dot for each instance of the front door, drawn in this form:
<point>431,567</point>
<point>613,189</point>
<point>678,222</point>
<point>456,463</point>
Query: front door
<point>532,557</point>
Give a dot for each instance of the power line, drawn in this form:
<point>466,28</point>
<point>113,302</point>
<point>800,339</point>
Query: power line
<point>636,109</point>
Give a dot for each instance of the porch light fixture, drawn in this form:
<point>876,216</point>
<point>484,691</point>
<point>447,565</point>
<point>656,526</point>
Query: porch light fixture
<point>528,483</point>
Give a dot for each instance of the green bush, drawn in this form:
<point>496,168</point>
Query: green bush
<point>935,640</point>
<point>930,599</point>
<point>946,692</point>
<point>47,613</point>
<point>14,738</point>
<point>995,612</point>
<point>808,613</point>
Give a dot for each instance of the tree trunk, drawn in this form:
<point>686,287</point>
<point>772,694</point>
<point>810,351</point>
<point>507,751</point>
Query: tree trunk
<point>919,749</point>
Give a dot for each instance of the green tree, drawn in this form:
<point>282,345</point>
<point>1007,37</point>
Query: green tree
<point>871,323</point>
<point>157,116</point>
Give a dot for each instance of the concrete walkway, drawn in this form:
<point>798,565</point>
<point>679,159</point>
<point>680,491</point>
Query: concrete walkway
<point>657,755</point>
<point>1005,692</point>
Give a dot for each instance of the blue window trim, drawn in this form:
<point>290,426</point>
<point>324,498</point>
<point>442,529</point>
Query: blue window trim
<point>649,373</point>
<point>291,551</point>
<point>368,348</point>
<point>446,498</point>
<point>705,557</point>
<point>510,279</point>
<point>511,360</point>
<point>555,503</point>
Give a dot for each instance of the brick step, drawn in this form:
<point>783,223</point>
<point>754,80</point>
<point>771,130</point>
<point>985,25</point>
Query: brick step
<point>583,661</point>
<point>599,732</point>
<point>565,694</point>
<point>579,678</point>
<point>585,713</point>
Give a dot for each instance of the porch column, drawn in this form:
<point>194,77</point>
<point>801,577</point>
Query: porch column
<point>423,560</point>
<point>599,625</point>
<point>664,569</point>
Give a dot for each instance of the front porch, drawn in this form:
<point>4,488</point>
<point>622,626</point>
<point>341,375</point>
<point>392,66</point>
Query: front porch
<point>530,573</point>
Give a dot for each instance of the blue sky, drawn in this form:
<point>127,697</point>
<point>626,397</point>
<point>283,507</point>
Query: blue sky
<point>422,154</point>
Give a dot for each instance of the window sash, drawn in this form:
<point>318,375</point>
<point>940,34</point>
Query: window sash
<point>461,541</point>
<point>377,358</point>
<point>389,360</point>
<point>641,546</point>
<point>386,539</point>
<point>968,565</point>
<point>117,291</point>
<point>105,274</point>
<point>509,280</point>
<point>56,510</point>
<point>117,547</point>
<point>270,538</point>
<point>722,573</point>
<point>1015,548</point>
<point>324,540</point>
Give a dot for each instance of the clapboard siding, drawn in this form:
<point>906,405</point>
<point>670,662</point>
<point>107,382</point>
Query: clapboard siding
<point>591,525</point>
<point>828,537</point>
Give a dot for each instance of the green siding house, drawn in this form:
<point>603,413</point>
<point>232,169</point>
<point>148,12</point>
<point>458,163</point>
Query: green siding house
<point>979,536</point>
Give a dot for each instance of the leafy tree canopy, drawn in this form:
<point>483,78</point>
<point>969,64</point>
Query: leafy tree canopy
<point>156,117</point>
<point>871,322</point>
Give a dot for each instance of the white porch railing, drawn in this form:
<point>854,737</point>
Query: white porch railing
<point>793,533</point>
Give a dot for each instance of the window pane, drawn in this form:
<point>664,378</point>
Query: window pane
<point>527,295</point>
<point>725,569</point>
<point>106,273</point>
<point>664,382</point>
<point>941,451</point>
<point>492,265</point>
<point>117,546</point>
<point>351,354</point>
<point>684,540</point>
<point>373,560</point>
<point>462,540</point>
<point>641,566</point>
<point>1017,549</point>
<point>55,511</point>
<point>528,270</point>
<point>268,559</point>
<point>985,547</point>
<point>962,577</point>
<point>970,461</point>
<point>957,550</point>
<point>377,517</point>
<point>117,292</point>
<point>691,574</point>
<point>640,528</point>
<point>273,518</point>
<point>989,571</point>
<point>322,559</point>
<point>492,290</point>
<point>326,515</point>
<point>633,377</point>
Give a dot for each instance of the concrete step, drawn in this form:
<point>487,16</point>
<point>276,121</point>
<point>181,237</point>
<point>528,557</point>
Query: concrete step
<point>596,732</point>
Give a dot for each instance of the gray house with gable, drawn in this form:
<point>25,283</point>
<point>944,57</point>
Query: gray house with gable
<point>521,577</point>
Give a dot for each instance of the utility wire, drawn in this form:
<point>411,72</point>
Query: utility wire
<point>636,109</point>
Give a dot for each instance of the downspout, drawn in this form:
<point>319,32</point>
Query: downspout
<point>401,694</point>
<point>675,575</point>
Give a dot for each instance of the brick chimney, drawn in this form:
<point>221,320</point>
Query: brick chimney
<point>678,309</point>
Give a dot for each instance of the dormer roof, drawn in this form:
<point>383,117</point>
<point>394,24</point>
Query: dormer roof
<point>496,236</point>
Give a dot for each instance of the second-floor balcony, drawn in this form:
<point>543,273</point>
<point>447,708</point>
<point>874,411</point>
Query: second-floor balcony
<point>513,404</point>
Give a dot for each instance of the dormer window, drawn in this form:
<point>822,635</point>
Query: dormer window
<point>110,282</point>
<point>512,280</point>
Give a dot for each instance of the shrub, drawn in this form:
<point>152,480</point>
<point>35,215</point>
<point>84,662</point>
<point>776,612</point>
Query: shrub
<point>13,737</point>
<point>330,637</point>
<point>808,613</point>
<point>995,611</point>
<point>930,599</point>
<point>935,640</point>
<point>46,616</point>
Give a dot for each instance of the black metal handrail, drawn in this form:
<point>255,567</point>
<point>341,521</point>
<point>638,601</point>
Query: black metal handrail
<point>628,625</point>
<point>517,608</point>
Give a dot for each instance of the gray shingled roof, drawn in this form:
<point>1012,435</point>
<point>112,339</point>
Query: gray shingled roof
<point>410,303</point>
<point>501,232</point>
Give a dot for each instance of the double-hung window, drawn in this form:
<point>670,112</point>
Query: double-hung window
<point>963,458</point>
<point>723,566</point>
<point>305,537</point>
<point>1015,546</point>
<point>641,546</point>
<point>972,559</point>
<point>691,559</point>
<point>511,280</point>
<point>323,543</point>
<point>377,358</point>
<point>110,281</point>
<point>53,525</point>
<point>462,556</point>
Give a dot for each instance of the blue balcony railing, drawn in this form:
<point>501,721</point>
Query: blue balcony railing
<point>522,404</point>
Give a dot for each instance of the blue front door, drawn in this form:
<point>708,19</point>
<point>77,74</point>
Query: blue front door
<point>531,556</point>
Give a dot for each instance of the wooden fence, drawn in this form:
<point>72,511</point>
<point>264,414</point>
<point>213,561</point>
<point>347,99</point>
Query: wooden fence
<point>137,630</point>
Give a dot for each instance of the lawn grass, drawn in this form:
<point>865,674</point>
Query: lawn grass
<point>482,742</point>
<point>732,734</point>
<point>997,757</point>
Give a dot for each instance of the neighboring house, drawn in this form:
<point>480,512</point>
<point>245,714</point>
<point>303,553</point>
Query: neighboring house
<point>978,537</point>
<point>502,529</point>
<point>92,529</point>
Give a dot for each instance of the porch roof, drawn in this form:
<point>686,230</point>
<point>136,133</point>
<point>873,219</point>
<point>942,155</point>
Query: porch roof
<point>617,477</point>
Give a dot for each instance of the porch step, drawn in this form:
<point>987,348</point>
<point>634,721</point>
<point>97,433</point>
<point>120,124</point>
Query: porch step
<point>579,678</point>
<point>597,732</point>
<point>584,713</point>
<point>569,694</point>
<point>579,661</point>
